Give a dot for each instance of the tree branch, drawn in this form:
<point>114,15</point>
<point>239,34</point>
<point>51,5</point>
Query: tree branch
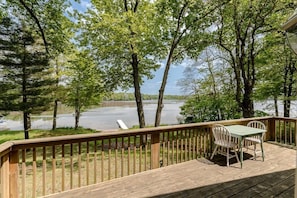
<point>37,23</point>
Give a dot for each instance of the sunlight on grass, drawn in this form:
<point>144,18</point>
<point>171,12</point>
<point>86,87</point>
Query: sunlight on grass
<point>7,135</point>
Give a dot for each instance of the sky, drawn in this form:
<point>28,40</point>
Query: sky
<point>150,86</point>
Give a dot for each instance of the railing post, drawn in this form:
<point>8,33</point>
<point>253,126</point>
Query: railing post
<point>5,176</point>
<point>155,150</point>
<point>13,174</point>
<point>270,134</point>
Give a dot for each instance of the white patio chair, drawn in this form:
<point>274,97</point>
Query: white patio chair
<point>223,139</point>
<point>257,139</point>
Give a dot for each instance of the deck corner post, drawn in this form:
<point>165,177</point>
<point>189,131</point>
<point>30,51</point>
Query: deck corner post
<point>270,134</point>
<point>155,150</point>
<point>13,174</point>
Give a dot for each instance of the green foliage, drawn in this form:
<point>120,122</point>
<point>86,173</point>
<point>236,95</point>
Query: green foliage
<point>85,86</point>
<point>48,20</point>
<point>115,34</point>
<point>242,29</point>
<point>209,108</point>
<point>26,82</point>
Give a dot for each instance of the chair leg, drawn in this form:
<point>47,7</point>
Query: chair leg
<point>262,150</point>
<point>214,151</point>
<point>236,154</point>
<point>228,157</point>
<point>255,151</point>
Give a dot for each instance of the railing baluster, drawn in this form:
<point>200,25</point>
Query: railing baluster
<point>290,132</point>
<point>168,148</point>
<point>128,161</point>
<point>109,158</point>
<point>53,168</point>
<point>88,163</point>
<point>43,170</point>
<point>295,132</point>
<point>285,131</point>
<point>177,146</point>
<point>95,162</point>
<point>172,149</point>
<point>122,157</point>
<point>34,173</point>
<point>79,164</point>
<point>63,167</point>
<point>116,158</point>
<point>186,145</point>
<point>102,161</point>
<point>182,146</point>
<point>24,173</point>
<point>134,154</point>
<point>163,147</point>
<point>71,166</point>
<point>140,152</point>
<point>145,158</point>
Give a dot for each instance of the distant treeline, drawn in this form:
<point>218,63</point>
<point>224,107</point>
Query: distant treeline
<point>130,96</point>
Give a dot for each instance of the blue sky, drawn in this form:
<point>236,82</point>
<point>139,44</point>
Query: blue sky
<point>151,86</point>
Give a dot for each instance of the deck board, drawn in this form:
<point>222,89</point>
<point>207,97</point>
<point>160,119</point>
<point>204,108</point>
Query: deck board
<point>204,178</point>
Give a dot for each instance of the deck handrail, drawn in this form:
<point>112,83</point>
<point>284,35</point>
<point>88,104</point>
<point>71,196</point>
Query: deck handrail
<point>103,156</point>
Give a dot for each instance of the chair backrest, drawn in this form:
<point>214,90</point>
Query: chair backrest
<point>221,134</point>
<point>256,124</point>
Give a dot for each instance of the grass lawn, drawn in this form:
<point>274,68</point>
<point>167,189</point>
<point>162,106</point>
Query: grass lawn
<point>7,135</point>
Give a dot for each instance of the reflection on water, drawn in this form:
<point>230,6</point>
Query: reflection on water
<point>105,117</point>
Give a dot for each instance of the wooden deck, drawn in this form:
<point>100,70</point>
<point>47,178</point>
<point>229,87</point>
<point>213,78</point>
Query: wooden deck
<point>204,178</point>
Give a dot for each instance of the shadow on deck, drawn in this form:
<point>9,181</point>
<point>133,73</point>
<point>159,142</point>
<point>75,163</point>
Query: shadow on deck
<point>204,178</point>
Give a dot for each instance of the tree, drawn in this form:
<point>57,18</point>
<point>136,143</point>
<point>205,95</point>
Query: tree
<point>184,24</point>
<point>49,20</point>
<point>241,27</point>
<point>213,93</point>
<point>25,70</point>
<point>275,67</point>
<point>85,85</point>
<point>124,39</point>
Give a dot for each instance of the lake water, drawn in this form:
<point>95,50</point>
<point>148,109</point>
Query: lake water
<point>104,118</point>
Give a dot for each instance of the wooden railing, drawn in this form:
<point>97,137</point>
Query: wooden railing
<point>38,167</point>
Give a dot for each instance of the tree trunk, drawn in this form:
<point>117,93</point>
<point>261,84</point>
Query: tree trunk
<point>26,119</point>
<point>162,88</point>
<point>287,106</point>
<point>77,115</point>
<point>56,100</point>
<point>55,115</point>
<point>137,92</point>
<point>247,103</point>
<point>275,105</point>
<point>288,86</point>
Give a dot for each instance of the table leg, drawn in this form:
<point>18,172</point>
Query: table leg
<point>241,151</point>
<point>262,150</point>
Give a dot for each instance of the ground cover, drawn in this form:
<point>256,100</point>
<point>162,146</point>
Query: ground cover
<point>7,135</point>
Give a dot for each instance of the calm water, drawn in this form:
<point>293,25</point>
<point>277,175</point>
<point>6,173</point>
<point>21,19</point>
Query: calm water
<point>104,118</point>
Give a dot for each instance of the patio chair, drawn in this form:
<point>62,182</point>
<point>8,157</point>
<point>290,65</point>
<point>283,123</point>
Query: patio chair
<point>254,140</point>
<point>223,139</point>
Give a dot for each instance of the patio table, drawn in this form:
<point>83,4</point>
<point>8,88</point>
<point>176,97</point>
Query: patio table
<point>241,132</point>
